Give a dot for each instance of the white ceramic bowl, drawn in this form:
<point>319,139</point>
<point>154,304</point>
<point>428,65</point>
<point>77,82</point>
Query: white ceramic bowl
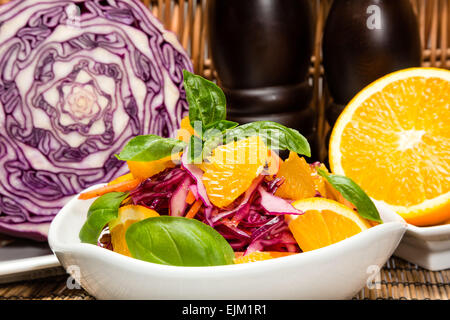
<point>338,271</point>
<point>428,247</point>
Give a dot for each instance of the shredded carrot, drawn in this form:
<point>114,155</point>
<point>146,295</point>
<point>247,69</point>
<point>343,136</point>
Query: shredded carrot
<point>194,209</point>
<point>229,223</point>
<point>118,187</point>
<point>190,197</point>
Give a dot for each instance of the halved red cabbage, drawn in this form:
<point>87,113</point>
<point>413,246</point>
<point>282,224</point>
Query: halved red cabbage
<point>79,78</point>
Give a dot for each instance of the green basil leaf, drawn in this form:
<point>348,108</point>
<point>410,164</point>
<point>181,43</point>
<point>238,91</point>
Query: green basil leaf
<point>207,102</point>
<point>195,150</point>
<point>178,241</point>
<point>219,126</point>
<point>353,193</point>
<point>103,210</point>
<point>275,135</point>
<point>150,147</point>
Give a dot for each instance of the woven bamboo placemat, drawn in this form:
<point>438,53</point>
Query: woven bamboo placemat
<point>398,280</point>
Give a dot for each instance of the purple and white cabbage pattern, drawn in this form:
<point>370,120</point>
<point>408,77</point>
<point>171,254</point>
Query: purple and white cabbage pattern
<point>78,80</point>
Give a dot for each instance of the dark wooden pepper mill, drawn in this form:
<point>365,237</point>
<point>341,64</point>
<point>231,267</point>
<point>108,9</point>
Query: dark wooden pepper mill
<point>261,50</point>
<point>363,41</point>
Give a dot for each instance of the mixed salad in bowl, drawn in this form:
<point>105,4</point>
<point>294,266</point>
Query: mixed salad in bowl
<point>219,194</point>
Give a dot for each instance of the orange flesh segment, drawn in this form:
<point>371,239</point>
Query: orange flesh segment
<point>125,177</point>
<point>127,216</point>
<point>232,168</point>
<point>310,231</point>
<point>144,170</point>
<point>339,227</point>
<point>324,222</point>
<point>300,180</point>
<point>186,131</point>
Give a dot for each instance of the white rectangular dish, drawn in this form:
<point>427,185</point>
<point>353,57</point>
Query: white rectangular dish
<point>428,247</point>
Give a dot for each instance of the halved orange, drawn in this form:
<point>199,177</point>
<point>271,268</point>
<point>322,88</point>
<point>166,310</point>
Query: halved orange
<point>300,180</point>
<point>260,256</point>
<point>393,139</point>
<point>324,222</point>
<point>231,169</point>
<point>127,216</point>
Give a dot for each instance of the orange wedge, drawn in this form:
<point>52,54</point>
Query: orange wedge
<point>261,256</point>
<point>231,169</point>
<point>127,216</point>
<point>125,177</point>
<point>324,222</point>
<point>300,180</point>
<point>393,139</point>
<point>186,131</point>
<point>144,170</point>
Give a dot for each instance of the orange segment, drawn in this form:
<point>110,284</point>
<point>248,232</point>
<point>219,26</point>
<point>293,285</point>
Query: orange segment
<point>144,170</point>
<point>300,180</point>
<point>341,227</point>
<point>125,177</point>
<point>232,168</point>
<point>310,230</point>
<point>261,256</point>
<point>127,216</point>
<point>186,131</point>
<point>393,139</point>
<point>324,222</point>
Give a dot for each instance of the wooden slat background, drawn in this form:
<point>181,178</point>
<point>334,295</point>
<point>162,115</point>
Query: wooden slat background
<point>188,19</point>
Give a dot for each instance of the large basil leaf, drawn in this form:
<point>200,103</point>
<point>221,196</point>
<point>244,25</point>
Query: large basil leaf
<point>195,150</point>
<point>178,241</point>
<point>103,210</point>
<point>353,193</point>
<point>275,135</point>
<point>207,102</point>
<point>219,126</point>
<point>150,148</point>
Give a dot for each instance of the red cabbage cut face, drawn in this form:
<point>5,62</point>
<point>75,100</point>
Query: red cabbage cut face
<point>78,80</point>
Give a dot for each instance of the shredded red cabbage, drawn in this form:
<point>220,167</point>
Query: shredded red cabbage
<point>254,222</point>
